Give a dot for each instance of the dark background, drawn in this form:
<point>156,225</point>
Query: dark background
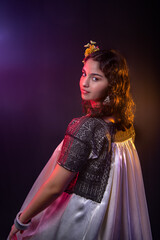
<point>41,52</point>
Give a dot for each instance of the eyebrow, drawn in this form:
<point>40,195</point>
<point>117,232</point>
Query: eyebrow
<point>93,73</point>
<point>96,74</point>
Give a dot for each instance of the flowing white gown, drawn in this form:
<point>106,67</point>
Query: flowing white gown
<point>122,213</point>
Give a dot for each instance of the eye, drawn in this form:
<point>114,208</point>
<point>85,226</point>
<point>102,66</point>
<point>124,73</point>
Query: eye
<point>94,79</point>
<point>83,74</point>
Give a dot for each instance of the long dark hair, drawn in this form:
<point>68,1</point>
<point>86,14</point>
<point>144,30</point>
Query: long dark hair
<point>120,104</point>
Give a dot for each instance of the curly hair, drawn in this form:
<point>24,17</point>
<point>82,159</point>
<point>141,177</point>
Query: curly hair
<point>121,104</point>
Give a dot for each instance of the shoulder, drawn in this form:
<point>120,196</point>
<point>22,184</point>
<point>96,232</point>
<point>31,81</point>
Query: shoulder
<point>80,126</point>
<point>82,121</point>
<point>86,123</point>
<point>88,127</point>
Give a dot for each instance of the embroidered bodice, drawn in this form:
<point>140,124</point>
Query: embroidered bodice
<point>87,150</point>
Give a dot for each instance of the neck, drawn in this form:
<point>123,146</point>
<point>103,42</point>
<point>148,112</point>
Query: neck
<point>95,104</point>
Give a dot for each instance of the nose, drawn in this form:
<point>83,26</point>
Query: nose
<point>85,82</point>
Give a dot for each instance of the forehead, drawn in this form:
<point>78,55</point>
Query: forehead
<point>92,66</point>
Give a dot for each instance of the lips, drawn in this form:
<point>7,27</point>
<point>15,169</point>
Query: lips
<point>84,91</point>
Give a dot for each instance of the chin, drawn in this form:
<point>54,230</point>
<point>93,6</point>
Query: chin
<point>85,98</point>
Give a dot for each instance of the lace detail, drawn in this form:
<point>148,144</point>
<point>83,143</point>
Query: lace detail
<point>121,136</point>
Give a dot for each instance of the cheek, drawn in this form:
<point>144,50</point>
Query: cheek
<point>100,91</point>
<point>81,81</point>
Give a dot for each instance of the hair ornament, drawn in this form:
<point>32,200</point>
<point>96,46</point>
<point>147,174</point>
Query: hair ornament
<point>90,48</point>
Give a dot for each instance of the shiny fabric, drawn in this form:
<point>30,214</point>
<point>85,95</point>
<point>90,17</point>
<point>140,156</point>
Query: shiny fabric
<point>122,213</point>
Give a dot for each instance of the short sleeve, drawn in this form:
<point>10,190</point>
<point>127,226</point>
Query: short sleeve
<point>76,146</point>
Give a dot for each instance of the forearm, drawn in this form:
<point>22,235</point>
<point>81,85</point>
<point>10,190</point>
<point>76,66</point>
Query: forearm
<point>44,197</point>
<point>50,190</point>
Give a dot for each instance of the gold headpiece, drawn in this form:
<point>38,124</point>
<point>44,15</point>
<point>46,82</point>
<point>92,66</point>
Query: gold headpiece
<point>90,48</point>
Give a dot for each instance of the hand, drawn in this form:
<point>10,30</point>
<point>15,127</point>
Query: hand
<point>12,235</point>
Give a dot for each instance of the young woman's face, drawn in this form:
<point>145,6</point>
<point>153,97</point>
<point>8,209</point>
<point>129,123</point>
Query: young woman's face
<point>93,83</point>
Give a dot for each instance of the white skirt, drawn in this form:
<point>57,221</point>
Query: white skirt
<point>121,215</point>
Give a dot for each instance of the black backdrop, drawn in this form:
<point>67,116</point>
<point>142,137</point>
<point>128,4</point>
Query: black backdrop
<point>41,52</point>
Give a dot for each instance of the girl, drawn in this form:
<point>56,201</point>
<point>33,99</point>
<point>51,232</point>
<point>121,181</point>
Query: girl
<point>92,187</point>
